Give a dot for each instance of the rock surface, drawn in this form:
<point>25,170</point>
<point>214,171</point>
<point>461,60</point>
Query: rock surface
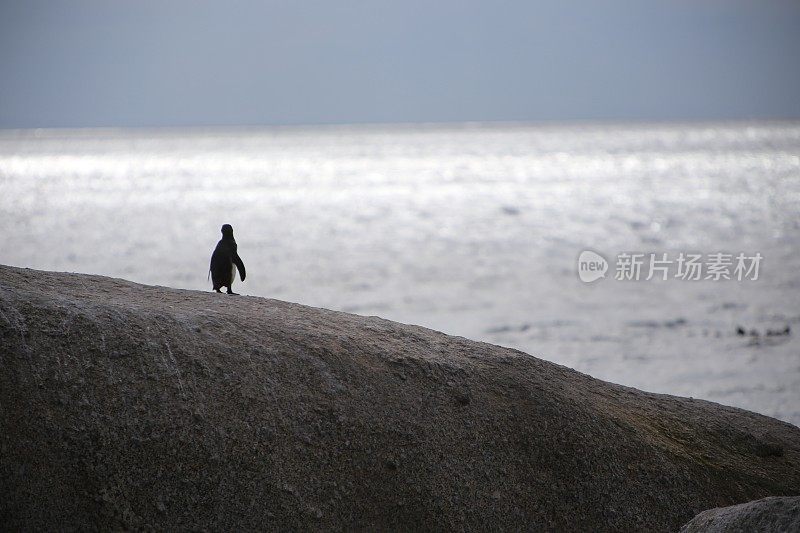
<point>125,406</point>
<point>774,514</point>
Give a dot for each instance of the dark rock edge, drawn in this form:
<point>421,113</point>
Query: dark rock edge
<point>124,406</point>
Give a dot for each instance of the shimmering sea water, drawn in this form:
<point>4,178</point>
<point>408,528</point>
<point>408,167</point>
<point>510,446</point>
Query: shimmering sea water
<point>473,230</point>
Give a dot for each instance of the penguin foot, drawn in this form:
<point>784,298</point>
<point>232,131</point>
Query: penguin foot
<point>234,293</point>
<point>217,290</point>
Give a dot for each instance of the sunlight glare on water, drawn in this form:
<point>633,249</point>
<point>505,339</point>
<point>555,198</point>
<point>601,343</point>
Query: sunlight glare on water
<point>473,230</point>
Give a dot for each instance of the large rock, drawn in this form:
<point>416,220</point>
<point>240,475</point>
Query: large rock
<point>128,406</point>
<point>774,514</point>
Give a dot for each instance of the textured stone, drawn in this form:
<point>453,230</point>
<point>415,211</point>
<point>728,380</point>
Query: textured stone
<point>125,406</point>
<point>774,514</point>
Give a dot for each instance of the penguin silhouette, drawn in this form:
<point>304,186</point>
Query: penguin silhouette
<point>225,260</point>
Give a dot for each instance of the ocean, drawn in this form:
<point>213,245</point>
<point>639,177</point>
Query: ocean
<point>471,229</point>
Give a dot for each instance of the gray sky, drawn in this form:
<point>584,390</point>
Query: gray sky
<point>172,63</point>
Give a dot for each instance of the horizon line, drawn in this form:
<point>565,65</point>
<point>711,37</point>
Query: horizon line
<point>402,124</point>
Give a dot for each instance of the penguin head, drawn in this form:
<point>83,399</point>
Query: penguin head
<point>227,230</point>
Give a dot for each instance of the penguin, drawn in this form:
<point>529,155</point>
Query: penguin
<point>225,260</point>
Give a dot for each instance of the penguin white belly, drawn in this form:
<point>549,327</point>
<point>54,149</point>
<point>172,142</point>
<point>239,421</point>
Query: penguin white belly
<point>233,273</point>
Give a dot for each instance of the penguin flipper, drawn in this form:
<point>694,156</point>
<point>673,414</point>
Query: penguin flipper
<point>239,265</point>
